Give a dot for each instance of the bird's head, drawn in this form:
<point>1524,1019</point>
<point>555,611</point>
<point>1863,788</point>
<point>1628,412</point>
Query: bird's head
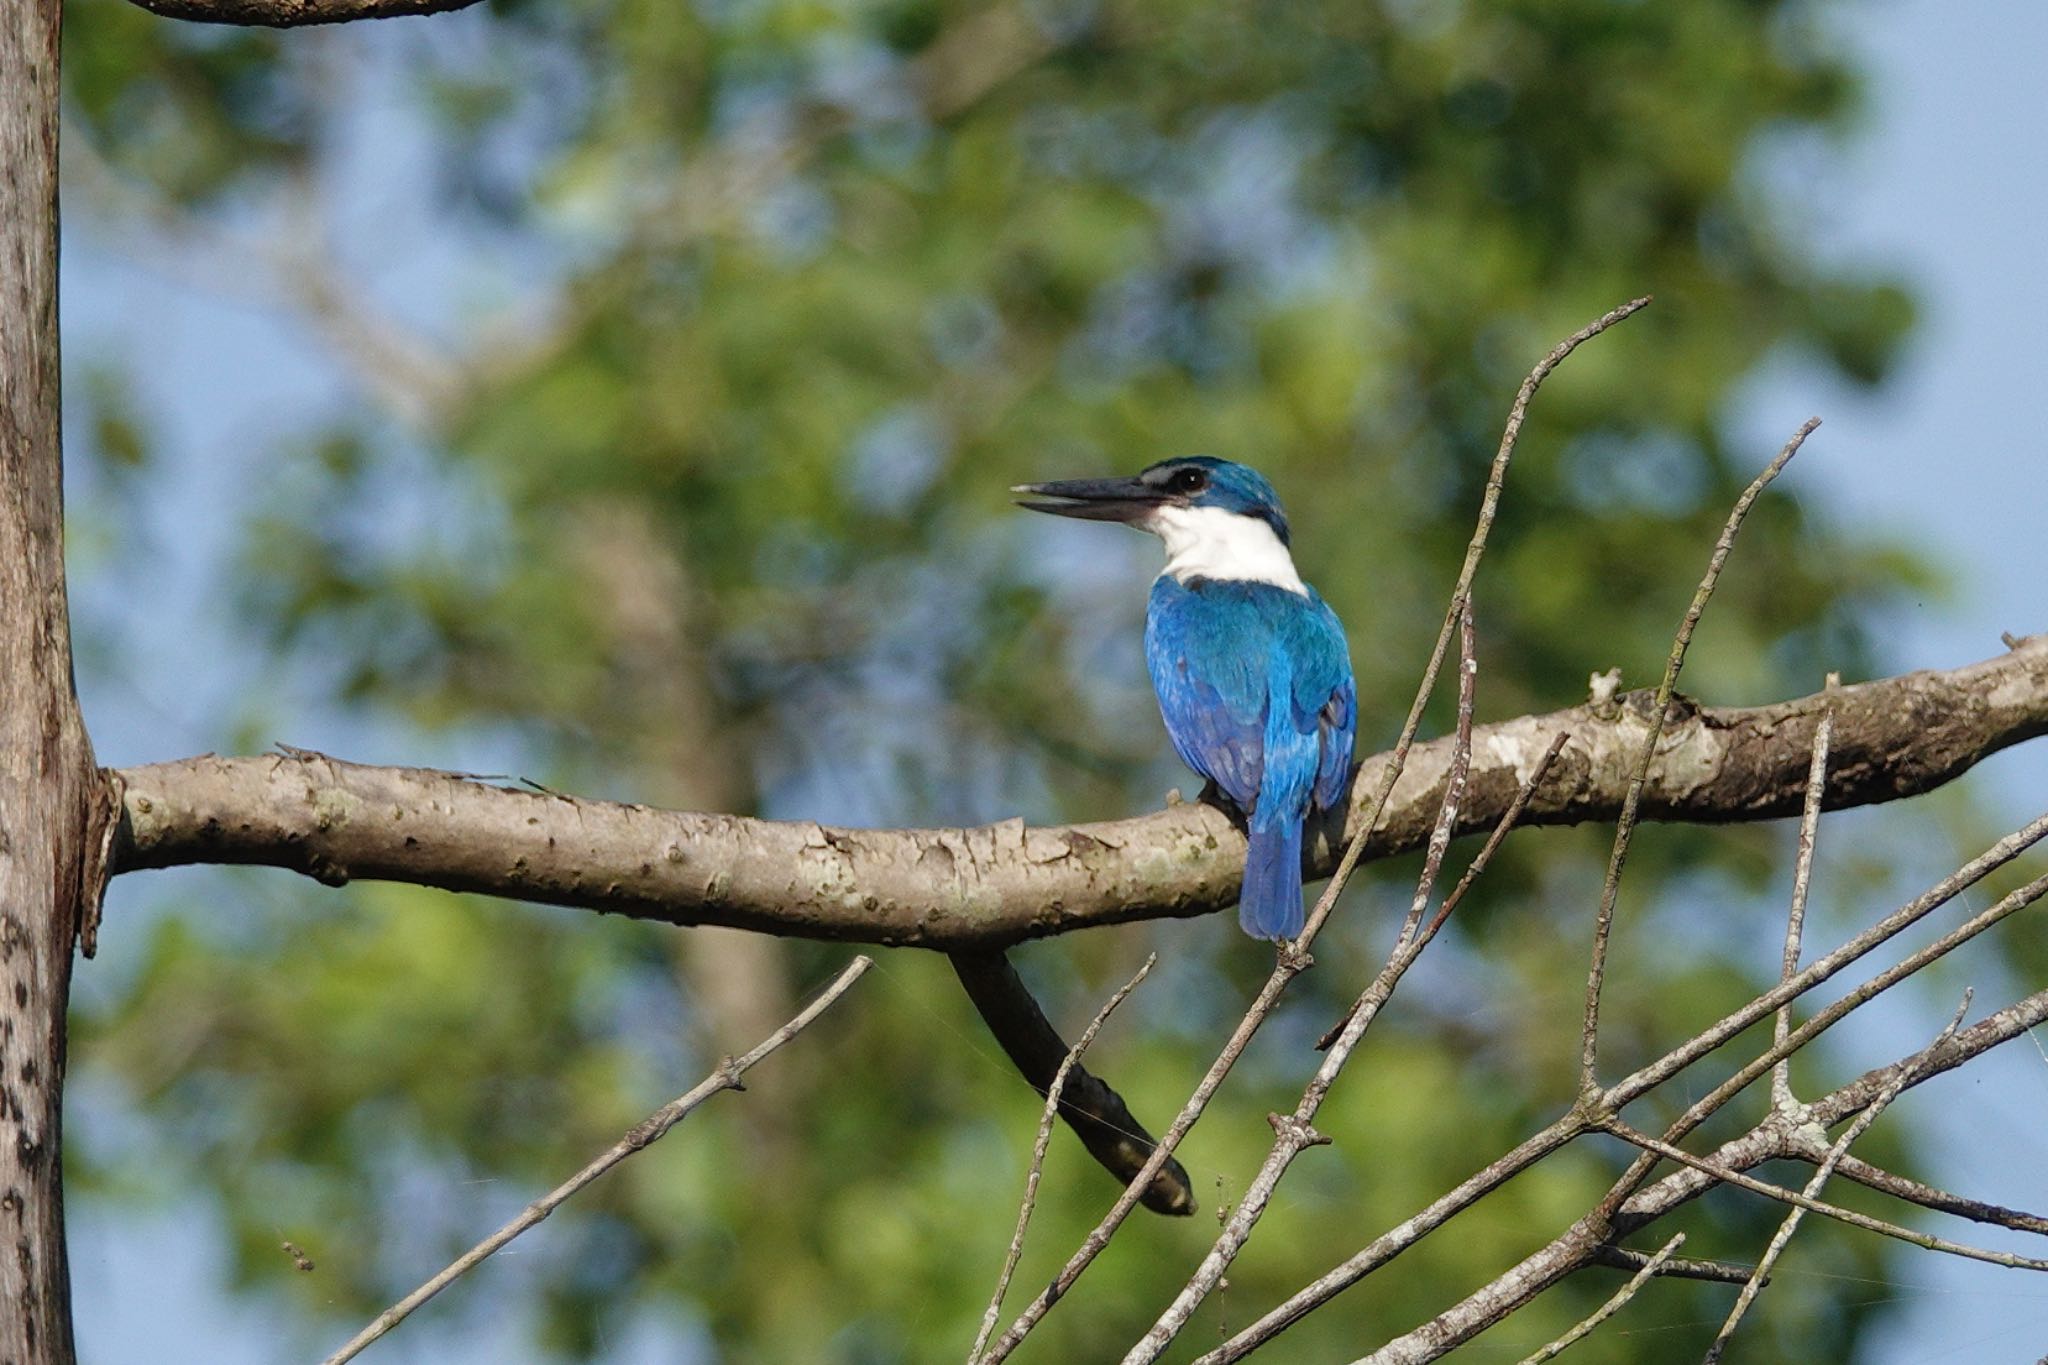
<point>1219,519</point>
<point>1191,482</point>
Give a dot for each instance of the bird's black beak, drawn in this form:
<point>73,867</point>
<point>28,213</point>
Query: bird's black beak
<point>1094,499</point>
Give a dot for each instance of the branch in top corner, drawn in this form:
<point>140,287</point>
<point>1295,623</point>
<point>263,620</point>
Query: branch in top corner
<point>294,13</point>
<point>982,888</point>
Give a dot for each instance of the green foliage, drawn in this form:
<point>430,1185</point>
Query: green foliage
<point>731,530</point>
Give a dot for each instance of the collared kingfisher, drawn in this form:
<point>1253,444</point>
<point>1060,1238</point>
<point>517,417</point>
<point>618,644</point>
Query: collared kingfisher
<point>1251,667</point>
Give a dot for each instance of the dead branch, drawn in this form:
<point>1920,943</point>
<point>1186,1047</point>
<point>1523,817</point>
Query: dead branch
<point>1674,1268</point>
<point>1807,1203</point>
<point>1605,1222</point>
<point>1802,878</point>
<point>1096,1113</point>
<point>1826,1167</point>
<point>1579,1245</point>
<point>1923,1194</point>
<point>1608,1309</point>
<point>295,13</point>
<point>1631,804</point>
<point>1067,1067</point>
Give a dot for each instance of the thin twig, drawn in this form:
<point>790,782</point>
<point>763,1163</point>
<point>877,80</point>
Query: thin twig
<point>1647,1078</point>
<point>1478,864</point>
<point>1609,1308</point>
<point>1704,1108</point>
<point>1856,1129</point>
<point>1581,1118</point>
<point>1098,1237</point>
<point>1771,1139</point>
<point>1624,831</point>
<point>1098,1116</point>
<point>1802,875</point>
<point>1812,1205</point>
<point>643,1134</point>
<point>1461,592</point>
<point>1674,1268</point>
<point>1823,1020</point>
<point>1454,783</point>
<point>1931,1197</point>
<point>1038,1148</point>
<point>1293,958</point>
<point>1588,1240</point>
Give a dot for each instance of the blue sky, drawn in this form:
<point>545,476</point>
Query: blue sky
<point>1950,184</point>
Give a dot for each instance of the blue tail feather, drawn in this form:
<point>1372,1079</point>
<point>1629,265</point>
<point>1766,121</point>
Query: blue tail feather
<point>1270,904</point>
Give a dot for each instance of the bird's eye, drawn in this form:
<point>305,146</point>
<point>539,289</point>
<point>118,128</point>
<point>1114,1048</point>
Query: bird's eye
<point>1188,481</point>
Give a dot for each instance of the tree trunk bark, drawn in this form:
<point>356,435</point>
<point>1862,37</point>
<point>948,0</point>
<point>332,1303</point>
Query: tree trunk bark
<point>56,811</point>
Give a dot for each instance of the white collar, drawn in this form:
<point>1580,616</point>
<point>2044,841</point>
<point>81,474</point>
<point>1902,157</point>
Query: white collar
<point>1209,542</point>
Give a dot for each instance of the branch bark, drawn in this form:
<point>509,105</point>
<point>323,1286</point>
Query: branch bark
<point>294,13</point>
<point>986,888</point>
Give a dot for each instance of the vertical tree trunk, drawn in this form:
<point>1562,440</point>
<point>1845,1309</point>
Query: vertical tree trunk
<point>54,810</point>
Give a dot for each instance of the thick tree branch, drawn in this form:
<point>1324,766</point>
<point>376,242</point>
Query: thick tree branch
<point>294,13</point>
<point>976,889</point>
<point>56,810</point>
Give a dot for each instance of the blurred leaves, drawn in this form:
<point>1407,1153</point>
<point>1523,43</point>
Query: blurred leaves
<point>721,521</point>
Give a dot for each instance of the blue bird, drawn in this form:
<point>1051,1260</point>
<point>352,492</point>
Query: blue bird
<point>1251,667</point>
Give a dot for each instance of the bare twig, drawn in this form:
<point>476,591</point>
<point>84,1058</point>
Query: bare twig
<point>1802,876</point>
<point>1856,1129</point>
<point>1108,1130</point>
<point>1461,592</point>
<point>1588,1241</point>
<point>1800,1201</point>
<point>648,1131</point>
<point>1674,1267</point>
<point>1454,788</point>
<point>1705,1107</point>
<point>1398,1239</point>
<point>295,13</point>
<point>1777,1138</point>
<point>1293,958</point>
<point>1478,864</point>
<point>1052,1104</point>
<point>1572,1249</point>
<point>1930,1197</point>
<point>1609,1308</point>
<point>1589,1037</point>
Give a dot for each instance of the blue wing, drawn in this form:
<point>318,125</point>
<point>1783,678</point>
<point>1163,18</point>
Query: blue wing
<point>1220,654</point>
<point>1212,698</point>
<point>1337,728</point>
